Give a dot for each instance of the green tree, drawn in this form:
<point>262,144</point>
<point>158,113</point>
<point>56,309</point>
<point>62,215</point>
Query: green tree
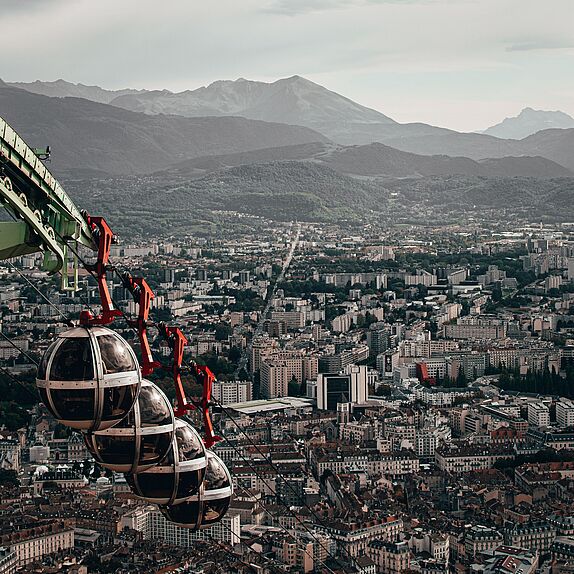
<point>294,388</point>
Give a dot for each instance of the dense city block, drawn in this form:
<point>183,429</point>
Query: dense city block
<point>390,399</point>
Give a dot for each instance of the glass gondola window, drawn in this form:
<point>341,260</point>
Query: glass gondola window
<point>73,361</point>
<point>217,475</point>
<point>116,357</point>
<point>189,444</point>
<point>118,401</point>
<point>76,389</point>
<point>43,366</point>
<point>214,510</point>
<point>154,409</point>
<point>73,404</point>
<point>116,449</point>
<point>210,503</point>
<point>180,475</point>
<point>141,440</point>
<point>190,447</point>
<point>216,478</point>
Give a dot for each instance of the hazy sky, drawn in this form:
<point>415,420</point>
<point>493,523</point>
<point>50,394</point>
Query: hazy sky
<point>464,64</point>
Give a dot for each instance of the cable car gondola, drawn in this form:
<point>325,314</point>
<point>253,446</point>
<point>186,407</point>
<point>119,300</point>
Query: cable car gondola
<point>89,378</point>
<point>211,502</point>
<point>180,475</point>
<point>142,439</point>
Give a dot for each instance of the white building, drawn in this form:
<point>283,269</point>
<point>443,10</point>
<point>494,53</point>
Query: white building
<point>350,386</point>
<point>538,414</point>
<point>565,412</point>
<point>10,458</point>
<point>153,525</point>
<point>34,543</point>
<point>228,392</point>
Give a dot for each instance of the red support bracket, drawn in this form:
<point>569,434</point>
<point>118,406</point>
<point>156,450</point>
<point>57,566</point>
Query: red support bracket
<point>177,342</point>
<point>143,296</point>
<point>104,238</point>
<point>206,378</point>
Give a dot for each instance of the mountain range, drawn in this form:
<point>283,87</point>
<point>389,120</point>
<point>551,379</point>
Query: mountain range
<point>376,161</point>
<point>289,149</point>
<point>63,89</point>
<point>298,101</point>
<point>89,138</point>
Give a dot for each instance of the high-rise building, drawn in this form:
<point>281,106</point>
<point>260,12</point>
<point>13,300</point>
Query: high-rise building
<point>350,386</point>
<point>377,340</point>
<point>168,275</point>
<point>278,367</point>
<point>228,392</point>
<point>261,346</point>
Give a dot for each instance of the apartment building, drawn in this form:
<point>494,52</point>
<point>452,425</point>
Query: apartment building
<point>538,414</point>
<point>32,541</point>
<point>390,557</point>
<point>228,392</point>
<point>355,536</point>
<point>565,412</point>
<point>480,539</point>
<point>153,525</point>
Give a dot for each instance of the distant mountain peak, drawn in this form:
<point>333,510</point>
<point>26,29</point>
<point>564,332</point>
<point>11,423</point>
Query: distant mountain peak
<point>528,122</point>
<point>294,100</point>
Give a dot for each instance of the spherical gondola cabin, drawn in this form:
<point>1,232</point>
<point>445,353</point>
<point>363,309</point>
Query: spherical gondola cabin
<point>142,439</point>
<point>89,378</point>
<point>210,504</point>
<point>180,475</point>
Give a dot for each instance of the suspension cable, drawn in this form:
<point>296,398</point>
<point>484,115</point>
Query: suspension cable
<point>291,512</point>
<point>18,382</point>
<point>68,321</point>
<point>127,319</point>
<point>94,276</point>
<point>18,349</point>
<point>254,445</point>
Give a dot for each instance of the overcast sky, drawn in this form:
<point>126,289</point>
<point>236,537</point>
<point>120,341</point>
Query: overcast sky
<point>463,64</point>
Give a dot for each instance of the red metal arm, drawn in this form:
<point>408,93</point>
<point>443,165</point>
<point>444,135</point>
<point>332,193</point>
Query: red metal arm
<point>177,342</point>
<point>143,296</point>
<point>206,377</point>
<point>104,237</point>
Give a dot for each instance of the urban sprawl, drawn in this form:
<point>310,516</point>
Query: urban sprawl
<point>390,400</point>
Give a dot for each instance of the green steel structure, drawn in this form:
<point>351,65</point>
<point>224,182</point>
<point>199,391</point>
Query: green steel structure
<point>45,219</point>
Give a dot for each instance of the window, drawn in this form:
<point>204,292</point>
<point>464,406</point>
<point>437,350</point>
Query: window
<point>44,362</point>
<point>116,357</point>
<point>73,361</point>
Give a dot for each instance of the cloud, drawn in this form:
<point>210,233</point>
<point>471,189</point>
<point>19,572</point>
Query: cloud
<point>8,6</point>
<point>297,7</point>
<point>542,44</point>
